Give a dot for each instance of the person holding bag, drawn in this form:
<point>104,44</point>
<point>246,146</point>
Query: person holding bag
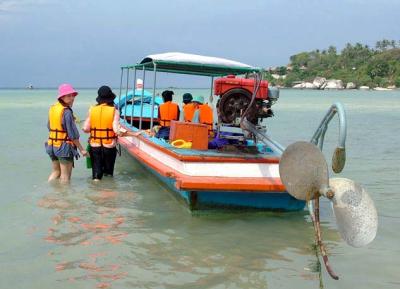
<point>102,123</point>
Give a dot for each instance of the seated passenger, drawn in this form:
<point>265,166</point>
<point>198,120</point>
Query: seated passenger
<point>188,107</point>
<point>203,113</point>
<point>167,111</point>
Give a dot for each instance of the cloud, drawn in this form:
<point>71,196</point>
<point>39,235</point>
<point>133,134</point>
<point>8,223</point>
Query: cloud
<point>8,6</point>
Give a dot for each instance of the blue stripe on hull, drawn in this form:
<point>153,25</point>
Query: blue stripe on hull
<point>267,200</point>
<point>219,199</point>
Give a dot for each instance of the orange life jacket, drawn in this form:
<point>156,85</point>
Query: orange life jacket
<point>101,124</point>
<point>168,111</point>
<point>188,111</point>
<point>206,116</point>
<point>57,134</point>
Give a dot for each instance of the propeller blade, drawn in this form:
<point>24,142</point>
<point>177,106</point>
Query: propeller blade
<point>303,170</point>
<point>355,212</point>
<point>338,159</point>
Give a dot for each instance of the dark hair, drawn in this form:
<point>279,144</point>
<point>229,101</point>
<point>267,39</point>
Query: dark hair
<point>187,97</point>
<point>66,106</point>
<point>60,100</point>
<point>109,103</point>
<point>105,95</point>
<point>167,95</point>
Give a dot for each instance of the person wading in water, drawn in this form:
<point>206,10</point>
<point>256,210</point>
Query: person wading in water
<point>63,142</point>
<point>103,125</point>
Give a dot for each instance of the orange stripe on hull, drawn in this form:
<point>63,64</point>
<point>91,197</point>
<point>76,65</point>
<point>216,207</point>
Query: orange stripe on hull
<point>185,182</point>
<point>230,184</point>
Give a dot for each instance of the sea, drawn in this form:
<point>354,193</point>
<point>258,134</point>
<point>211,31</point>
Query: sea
<point>131,231</point>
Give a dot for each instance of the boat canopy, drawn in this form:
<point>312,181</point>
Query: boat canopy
<point>184,63</point>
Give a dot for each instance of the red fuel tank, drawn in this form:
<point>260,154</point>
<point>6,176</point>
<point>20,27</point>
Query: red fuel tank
<point>224,84</point>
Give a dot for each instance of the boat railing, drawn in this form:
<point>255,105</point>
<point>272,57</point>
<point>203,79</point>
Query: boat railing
<point>135,70</point>
<point>319,135</point>
<point>339,156</point>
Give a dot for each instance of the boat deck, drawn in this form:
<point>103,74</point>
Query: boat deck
<point>213,155</point>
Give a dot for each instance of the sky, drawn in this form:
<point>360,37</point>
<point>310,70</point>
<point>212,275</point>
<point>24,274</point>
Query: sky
<point>48,42</point>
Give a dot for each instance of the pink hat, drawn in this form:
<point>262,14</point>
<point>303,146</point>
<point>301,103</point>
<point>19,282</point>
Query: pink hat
<point>65,89</point>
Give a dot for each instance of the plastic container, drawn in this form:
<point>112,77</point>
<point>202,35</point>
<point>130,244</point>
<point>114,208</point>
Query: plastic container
<point>195,133</point>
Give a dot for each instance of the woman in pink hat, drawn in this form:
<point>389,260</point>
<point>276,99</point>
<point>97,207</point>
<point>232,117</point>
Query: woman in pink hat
<point>63,142</point>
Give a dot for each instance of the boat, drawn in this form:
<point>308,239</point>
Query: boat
<point>250,170</point>
<point>206,178</point>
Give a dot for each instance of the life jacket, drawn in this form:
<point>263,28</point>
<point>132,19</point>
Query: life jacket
<point>168,111</point>
<point>206,116</point>
<point>57,134</point>
<point>188,111</point>
<point>101,124</point>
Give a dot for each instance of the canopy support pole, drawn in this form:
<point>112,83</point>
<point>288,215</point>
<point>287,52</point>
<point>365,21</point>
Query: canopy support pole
<point>120,92</point>
<point>133,95</point>
<point>211,99</point>
<point>154,96</point>
<point>141,99</point>
<point>126,93</point>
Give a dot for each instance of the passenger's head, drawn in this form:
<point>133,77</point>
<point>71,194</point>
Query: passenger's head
<point>167,95</point>
<point>198,99</point>
<point>105,95</point>
<point>66,94</point>
<point>186,98</point>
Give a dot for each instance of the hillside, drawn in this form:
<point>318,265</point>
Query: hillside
<point>359,64</point>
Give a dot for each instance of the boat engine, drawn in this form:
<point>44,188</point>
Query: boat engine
<point>239,96</point>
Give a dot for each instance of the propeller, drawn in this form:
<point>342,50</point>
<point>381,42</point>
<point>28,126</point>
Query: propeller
<point>304,172</point>
<point>356,216</point>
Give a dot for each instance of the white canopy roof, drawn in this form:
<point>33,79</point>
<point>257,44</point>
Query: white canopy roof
<point>177,62</point>
<point>195,59</point>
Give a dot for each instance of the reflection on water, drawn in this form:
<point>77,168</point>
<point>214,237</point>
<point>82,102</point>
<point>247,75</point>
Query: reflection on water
<point>90,222</point>
<point>104,235</point>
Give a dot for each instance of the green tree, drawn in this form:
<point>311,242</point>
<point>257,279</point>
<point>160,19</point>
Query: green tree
<point>300,59</point>
<point>281,70</point>
<point>378,68</point>
<point>357,63</point>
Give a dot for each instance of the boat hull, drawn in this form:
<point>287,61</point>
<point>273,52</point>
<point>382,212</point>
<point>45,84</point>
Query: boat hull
<point>206,182</point>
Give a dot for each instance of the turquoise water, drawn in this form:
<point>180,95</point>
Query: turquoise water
<point>131,232</point>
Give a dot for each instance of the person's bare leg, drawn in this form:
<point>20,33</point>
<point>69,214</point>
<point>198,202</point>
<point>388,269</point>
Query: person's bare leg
<point>55,171</point>
<point>66,171</point>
